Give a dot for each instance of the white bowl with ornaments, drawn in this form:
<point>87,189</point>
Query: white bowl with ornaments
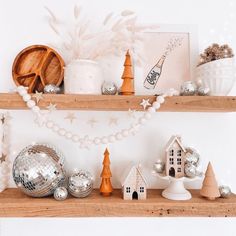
<point>219,76</point>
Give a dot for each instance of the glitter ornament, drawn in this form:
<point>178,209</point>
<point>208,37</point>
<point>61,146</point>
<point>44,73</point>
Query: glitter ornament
<point>60,194</point>
<point>51,89</point>
<point>190,170</point>
<point>159,166</point>
<point>192,156</point>
<point>38,170</point>
<point>188,88</point>
<point>225,191</point>
<point>109,88</point>
<point>202,91</point>
<point>80,184</point>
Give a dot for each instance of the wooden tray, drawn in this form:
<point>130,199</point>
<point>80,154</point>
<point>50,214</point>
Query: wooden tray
<point>36,66</point>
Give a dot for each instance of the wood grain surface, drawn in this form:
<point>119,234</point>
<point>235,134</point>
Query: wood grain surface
<point>13,203</point>
<point>123,103</point>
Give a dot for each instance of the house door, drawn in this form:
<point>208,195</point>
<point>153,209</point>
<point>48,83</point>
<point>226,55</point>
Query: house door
<point>135,195</point>
<point>172,172</point>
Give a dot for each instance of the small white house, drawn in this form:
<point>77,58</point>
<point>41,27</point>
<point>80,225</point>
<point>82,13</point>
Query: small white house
<point>134,186</point>
<point>175,157</point>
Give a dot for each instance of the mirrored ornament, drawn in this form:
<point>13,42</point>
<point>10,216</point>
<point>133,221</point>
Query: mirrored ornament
<point>225,191</point>
<point>60,194</point>
<point>109,88</point>
<point>188,88</point>
<point>202,91</point>
<point>191,171</point>
<point>159,166</point>
<point>192,156</point>
<point>38,170</point>
<point>51,89</point>
<point>80,184</point>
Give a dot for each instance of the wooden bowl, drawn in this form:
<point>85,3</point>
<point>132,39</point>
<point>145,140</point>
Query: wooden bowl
<point>36,66</point>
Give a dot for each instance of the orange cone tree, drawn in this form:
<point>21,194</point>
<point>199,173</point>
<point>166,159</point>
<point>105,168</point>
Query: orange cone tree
<point>106,187</point>
<point>210,188</point>
<point>127,87</point>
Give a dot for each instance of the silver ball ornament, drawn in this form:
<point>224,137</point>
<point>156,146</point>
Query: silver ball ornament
<point>80,184</point>
<point>225,191</point>
<point>109,88</point>
<point>51,89</point>
<point>38,170</point>
<point>188,88</point>
<point>60,194</point>
<point>192,156</point>
<point>190,170</point>
<point>159,167</point>
<point>202,91</point>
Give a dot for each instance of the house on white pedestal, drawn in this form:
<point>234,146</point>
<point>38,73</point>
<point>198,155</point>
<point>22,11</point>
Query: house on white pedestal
<point>175,157</point>
<point>134,185</point>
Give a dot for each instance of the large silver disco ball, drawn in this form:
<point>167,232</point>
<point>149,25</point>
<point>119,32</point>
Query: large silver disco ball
<point>38,170</point>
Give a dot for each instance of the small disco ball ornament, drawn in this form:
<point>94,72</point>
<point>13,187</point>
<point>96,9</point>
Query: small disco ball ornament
<point>60,194</point>
<point>109,88</point>
<point>225,191</point>
<point>190,171</point>
<point>159,166</point>
<point>80,184</point>
<point>202,91</point>
<point>51,89</point>
<point>188,88</point>
<point>192,156</point>
<point>38,170</point>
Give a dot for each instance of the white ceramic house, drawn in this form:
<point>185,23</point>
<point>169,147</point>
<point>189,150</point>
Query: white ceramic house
<point>175,157</point>
<point>134,186</point>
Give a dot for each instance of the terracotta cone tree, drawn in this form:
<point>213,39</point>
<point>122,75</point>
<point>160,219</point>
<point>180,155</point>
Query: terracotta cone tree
<point>210,188</point>
<point>106,187</point>
<point>127,87</point>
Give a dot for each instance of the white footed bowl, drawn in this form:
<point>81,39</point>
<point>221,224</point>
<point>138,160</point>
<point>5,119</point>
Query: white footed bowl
<point>219,76</point>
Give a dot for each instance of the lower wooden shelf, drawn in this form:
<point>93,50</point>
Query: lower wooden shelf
<point>13,203</point>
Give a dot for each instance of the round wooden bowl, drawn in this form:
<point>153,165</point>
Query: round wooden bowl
<point>36,66</point>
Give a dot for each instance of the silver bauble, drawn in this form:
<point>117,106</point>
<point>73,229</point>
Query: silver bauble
<point>80,184</point>
<point>202,91</point>
<point>192,156</point>
<point>159,167</point>
<point>60,193</point>
<point>225,191</point>
<point>109,88</point>
<point>51,89</point>
<point>38,170</point>
<point>188,88</point>
<point>190,170</point>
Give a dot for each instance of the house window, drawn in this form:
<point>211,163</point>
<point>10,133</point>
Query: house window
<point>141,189</point>
<point>179,170</point>
<point>171,153</point>
<point>179,152</point>
<point>127,189</point>
<point>171,161</point>
<point>179,161</point>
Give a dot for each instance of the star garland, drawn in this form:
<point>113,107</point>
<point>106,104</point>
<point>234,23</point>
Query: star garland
<point>87,141</point>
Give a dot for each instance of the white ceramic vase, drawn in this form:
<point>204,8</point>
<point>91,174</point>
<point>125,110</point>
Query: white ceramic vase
<point>218,76</point>
<point>83,77</point>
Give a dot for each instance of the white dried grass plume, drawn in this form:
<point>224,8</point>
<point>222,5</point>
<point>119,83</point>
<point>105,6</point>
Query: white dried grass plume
<point>81,40</point>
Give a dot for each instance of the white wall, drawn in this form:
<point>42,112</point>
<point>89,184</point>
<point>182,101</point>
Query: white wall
<point>23,23</point>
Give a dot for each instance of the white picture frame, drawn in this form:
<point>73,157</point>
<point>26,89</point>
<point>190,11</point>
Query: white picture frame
<point>189,35</point>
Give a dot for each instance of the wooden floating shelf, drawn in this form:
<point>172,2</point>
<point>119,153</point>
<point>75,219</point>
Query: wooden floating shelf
<point>13,203</point>
<point>123,103</point>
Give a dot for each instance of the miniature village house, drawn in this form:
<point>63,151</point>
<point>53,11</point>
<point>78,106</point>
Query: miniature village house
<point>134,185</point>
<point>175,157</point>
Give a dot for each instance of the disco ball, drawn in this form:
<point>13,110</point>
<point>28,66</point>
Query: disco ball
<point>38,170</point>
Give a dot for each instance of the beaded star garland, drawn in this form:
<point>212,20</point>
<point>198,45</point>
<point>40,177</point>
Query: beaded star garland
<point>86,141</point>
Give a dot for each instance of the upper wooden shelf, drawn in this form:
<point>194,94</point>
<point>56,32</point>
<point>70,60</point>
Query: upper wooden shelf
<point>13,203</point>
<point>124,103</point>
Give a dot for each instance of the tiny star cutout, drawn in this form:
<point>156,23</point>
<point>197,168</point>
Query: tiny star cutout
<point>131,113</point>
<point>92,122</point>
<point>71,117</point>
<point>113,121</point>
<point>52,107</point>
<point>145,103</point>
<point>38,96</point>
<point>3,158</point>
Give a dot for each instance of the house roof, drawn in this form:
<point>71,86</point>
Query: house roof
<point>174,138</point>
<point>137,169</point>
